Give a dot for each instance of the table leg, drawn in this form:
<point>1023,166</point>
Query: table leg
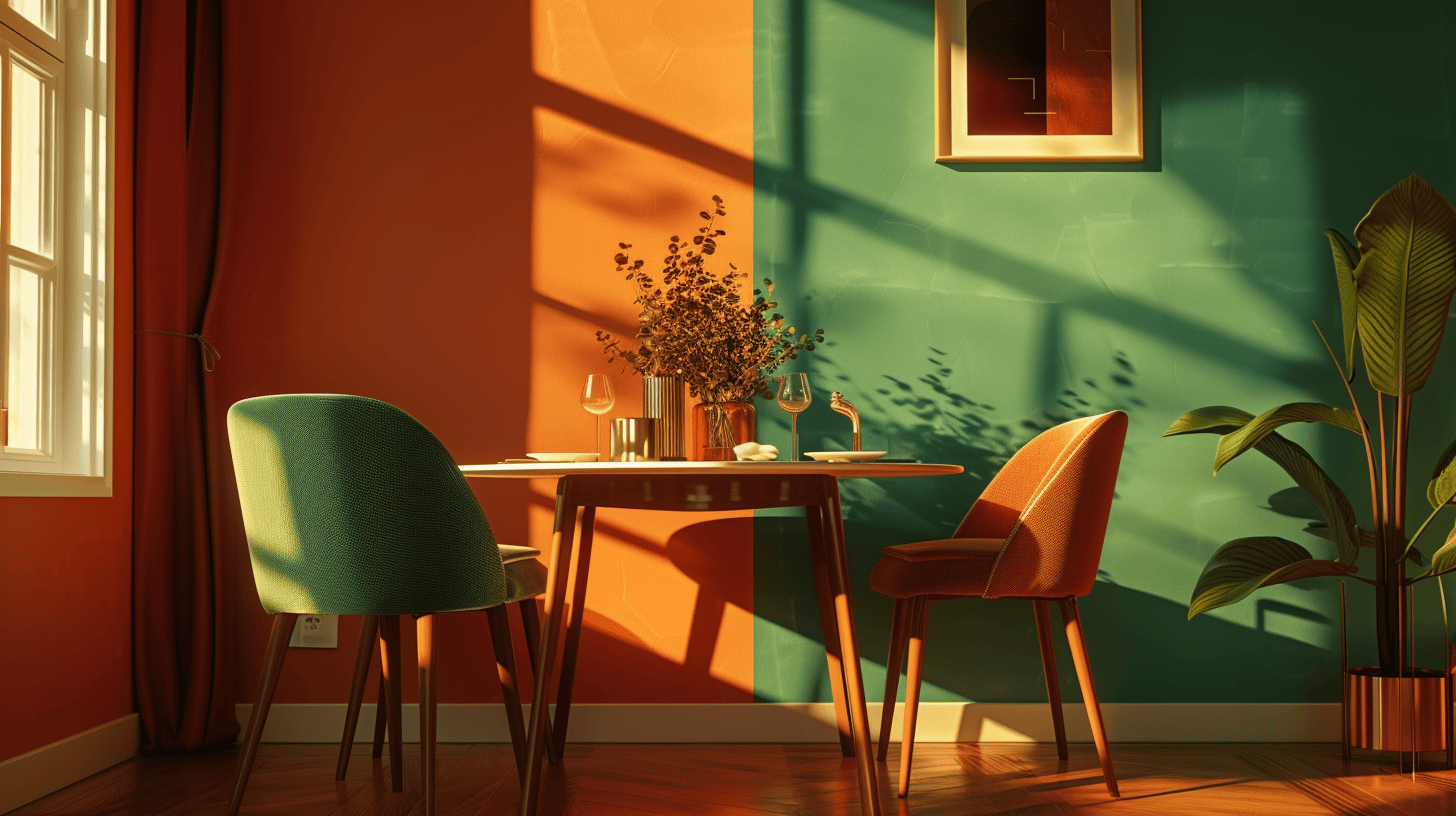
<point>561,546</point>
<point>580,566</point>
<point>814,515</point>
<point>838,563</point>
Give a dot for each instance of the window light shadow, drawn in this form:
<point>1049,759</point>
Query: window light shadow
<point>937,244</point>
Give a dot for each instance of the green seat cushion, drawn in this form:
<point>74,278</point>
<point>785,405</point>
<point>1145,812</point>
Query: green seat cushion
<point>525,579</point>
<point>515,552</point>
<point>525,576</point>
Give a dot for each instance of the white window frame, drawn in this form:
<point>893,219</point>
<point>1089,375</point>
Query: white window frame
<point>77,460</point>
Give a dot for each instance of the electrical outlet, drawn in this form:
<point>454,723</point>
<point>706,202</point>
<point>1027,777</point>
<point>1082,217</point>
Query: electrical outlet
<point>315,632</point>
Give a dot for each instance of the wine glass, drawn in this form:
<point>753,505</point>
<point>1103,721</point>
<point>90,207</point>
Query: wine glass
<point>596,398</point>
<point>794,397</point>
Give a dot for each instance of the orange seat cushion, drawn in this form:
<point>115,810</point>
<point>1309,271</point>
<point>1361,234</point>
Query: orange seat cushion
<point>949,566</point>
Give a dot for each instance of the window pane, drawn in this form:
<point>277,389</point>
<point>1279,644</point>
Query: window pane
<point>40,12</point>
<point>31,144</point>
<point>25,366</point>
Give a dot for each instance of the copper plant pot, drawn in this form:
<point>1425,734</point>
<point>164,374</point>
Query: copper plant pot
<point>1380,710</point>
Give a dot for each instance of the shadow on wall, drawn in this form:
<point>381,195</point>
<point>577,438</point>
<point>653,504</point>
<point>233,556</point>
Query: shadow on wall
<point>924,416</point>
<point>1134,637</point>
<point>1203,272</point>
<point>986,650</point>
<point>616,665</point>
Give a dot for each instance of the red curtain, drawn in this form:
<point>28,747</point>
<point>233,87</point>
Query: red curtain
<point>182,621</point>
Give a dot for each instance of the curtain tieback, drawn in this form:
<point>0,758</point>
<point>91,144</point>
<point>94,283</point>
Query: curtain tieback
<point>210,355</point>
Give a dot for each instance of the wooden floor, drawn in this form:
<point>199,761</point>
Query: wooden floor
<point>630,780</point>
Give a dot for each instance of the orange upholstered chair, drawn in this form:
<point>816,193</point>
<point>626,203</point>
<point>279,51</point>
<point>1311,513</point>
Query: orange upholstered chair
<point>1035,533</point>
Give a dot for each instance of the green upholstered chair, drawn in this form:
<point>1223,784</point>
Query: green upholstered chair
<point>352,507</point>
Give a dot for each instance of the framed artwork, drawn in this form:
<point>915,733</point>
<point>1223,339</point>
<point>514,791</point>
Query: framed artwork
<point>1038,81</point>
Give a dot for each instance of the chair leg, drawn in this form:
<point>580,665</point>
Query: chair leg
<point>425,637</point>
<point>577,611</point>
<point>393,681</point>
<point>892,674</point>
<point>381,713</point>
<point>505,667</point>
<point>267,684</point>
<point>369,631</point>
<point>531,625</point>
<point>919,619</point>
<point>1073,622</point>
<point>1042,610</point>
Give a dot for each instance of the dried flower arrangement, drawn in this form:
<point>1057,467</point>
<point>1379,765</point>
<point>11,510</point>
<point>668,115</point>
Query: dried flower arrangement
<point>693,322</point>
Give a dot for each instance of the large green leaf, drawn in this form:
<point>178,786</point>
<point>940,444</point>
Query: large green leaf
<point>1404,283</point>
<point>1442,489</point>
<point>1217,419</point>
<point>1443,465</point>
<point>1365,537</point>
<point>1296,461</point>
<point>1235,443</point>
<point>1243,565</point>
<point>1347,258</point>
<point>1319,528</point>
<point>1444,559</point>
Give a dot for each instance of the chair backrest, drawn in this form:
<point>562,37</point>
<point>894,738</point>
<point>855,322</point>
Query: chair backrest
<point>353,507</point>
<point>1050,503</point>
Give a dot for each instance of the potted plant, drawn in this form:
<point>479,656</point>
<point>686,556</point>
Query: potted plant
<point>694,324</point>
<point>1395,292</point>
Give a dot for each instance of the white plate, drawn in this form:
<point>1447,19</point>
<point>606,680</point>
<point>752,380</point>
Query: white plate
<point>563,457</point>
<point>844,456</point>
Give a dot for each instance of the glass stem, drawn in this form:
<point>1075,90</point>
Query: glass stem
<point>599,437</point>
<point>794,438</point>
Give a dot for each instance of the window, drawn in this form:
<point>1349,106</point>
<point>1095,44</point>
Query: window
<point>55,247</point>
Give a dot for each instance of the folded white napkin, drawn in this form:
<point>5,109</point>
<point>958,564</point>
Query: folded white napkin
<point>754,452</point>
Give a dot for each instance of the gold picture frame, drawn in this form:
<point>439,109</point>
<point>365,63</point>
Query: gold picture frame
<point>992,105</point>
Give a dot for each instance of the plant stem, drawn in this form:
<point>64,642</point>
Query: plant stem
<point>1384,459</point>
<point>1387,597</point>
<point>1389,606</point>
<point>1402,448</point>
<point>1445,619</point>
<point>1365,438</point>
<point>1421,529</point>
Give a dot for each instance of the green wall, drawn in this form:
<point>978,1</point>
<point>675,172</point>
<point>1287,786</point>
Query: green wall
<point>968,307</point>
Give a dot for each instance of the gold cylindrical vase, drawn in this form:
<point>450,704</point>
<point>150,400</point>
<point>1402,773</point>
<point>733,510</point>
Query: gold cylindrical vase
<point>634,439</point>
<point>1385,711</point>
<point>662,400</point>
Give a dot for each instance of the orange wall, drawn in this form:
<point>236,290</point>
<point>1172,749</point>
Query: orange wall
<point>65,564</point>
<point>426,212</point>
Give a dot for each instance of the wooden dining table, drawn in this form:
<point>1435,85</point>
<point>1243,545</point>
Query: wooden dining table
<point>582,487</point>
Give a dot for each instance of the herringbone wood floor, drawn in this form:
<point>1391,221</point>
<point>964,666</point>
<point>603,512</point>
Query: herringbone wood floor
<point>734,780</point>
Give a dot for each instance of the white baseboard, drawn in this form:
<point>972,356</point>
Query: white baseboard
<point>45,770</point>
<point>814,722</point>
